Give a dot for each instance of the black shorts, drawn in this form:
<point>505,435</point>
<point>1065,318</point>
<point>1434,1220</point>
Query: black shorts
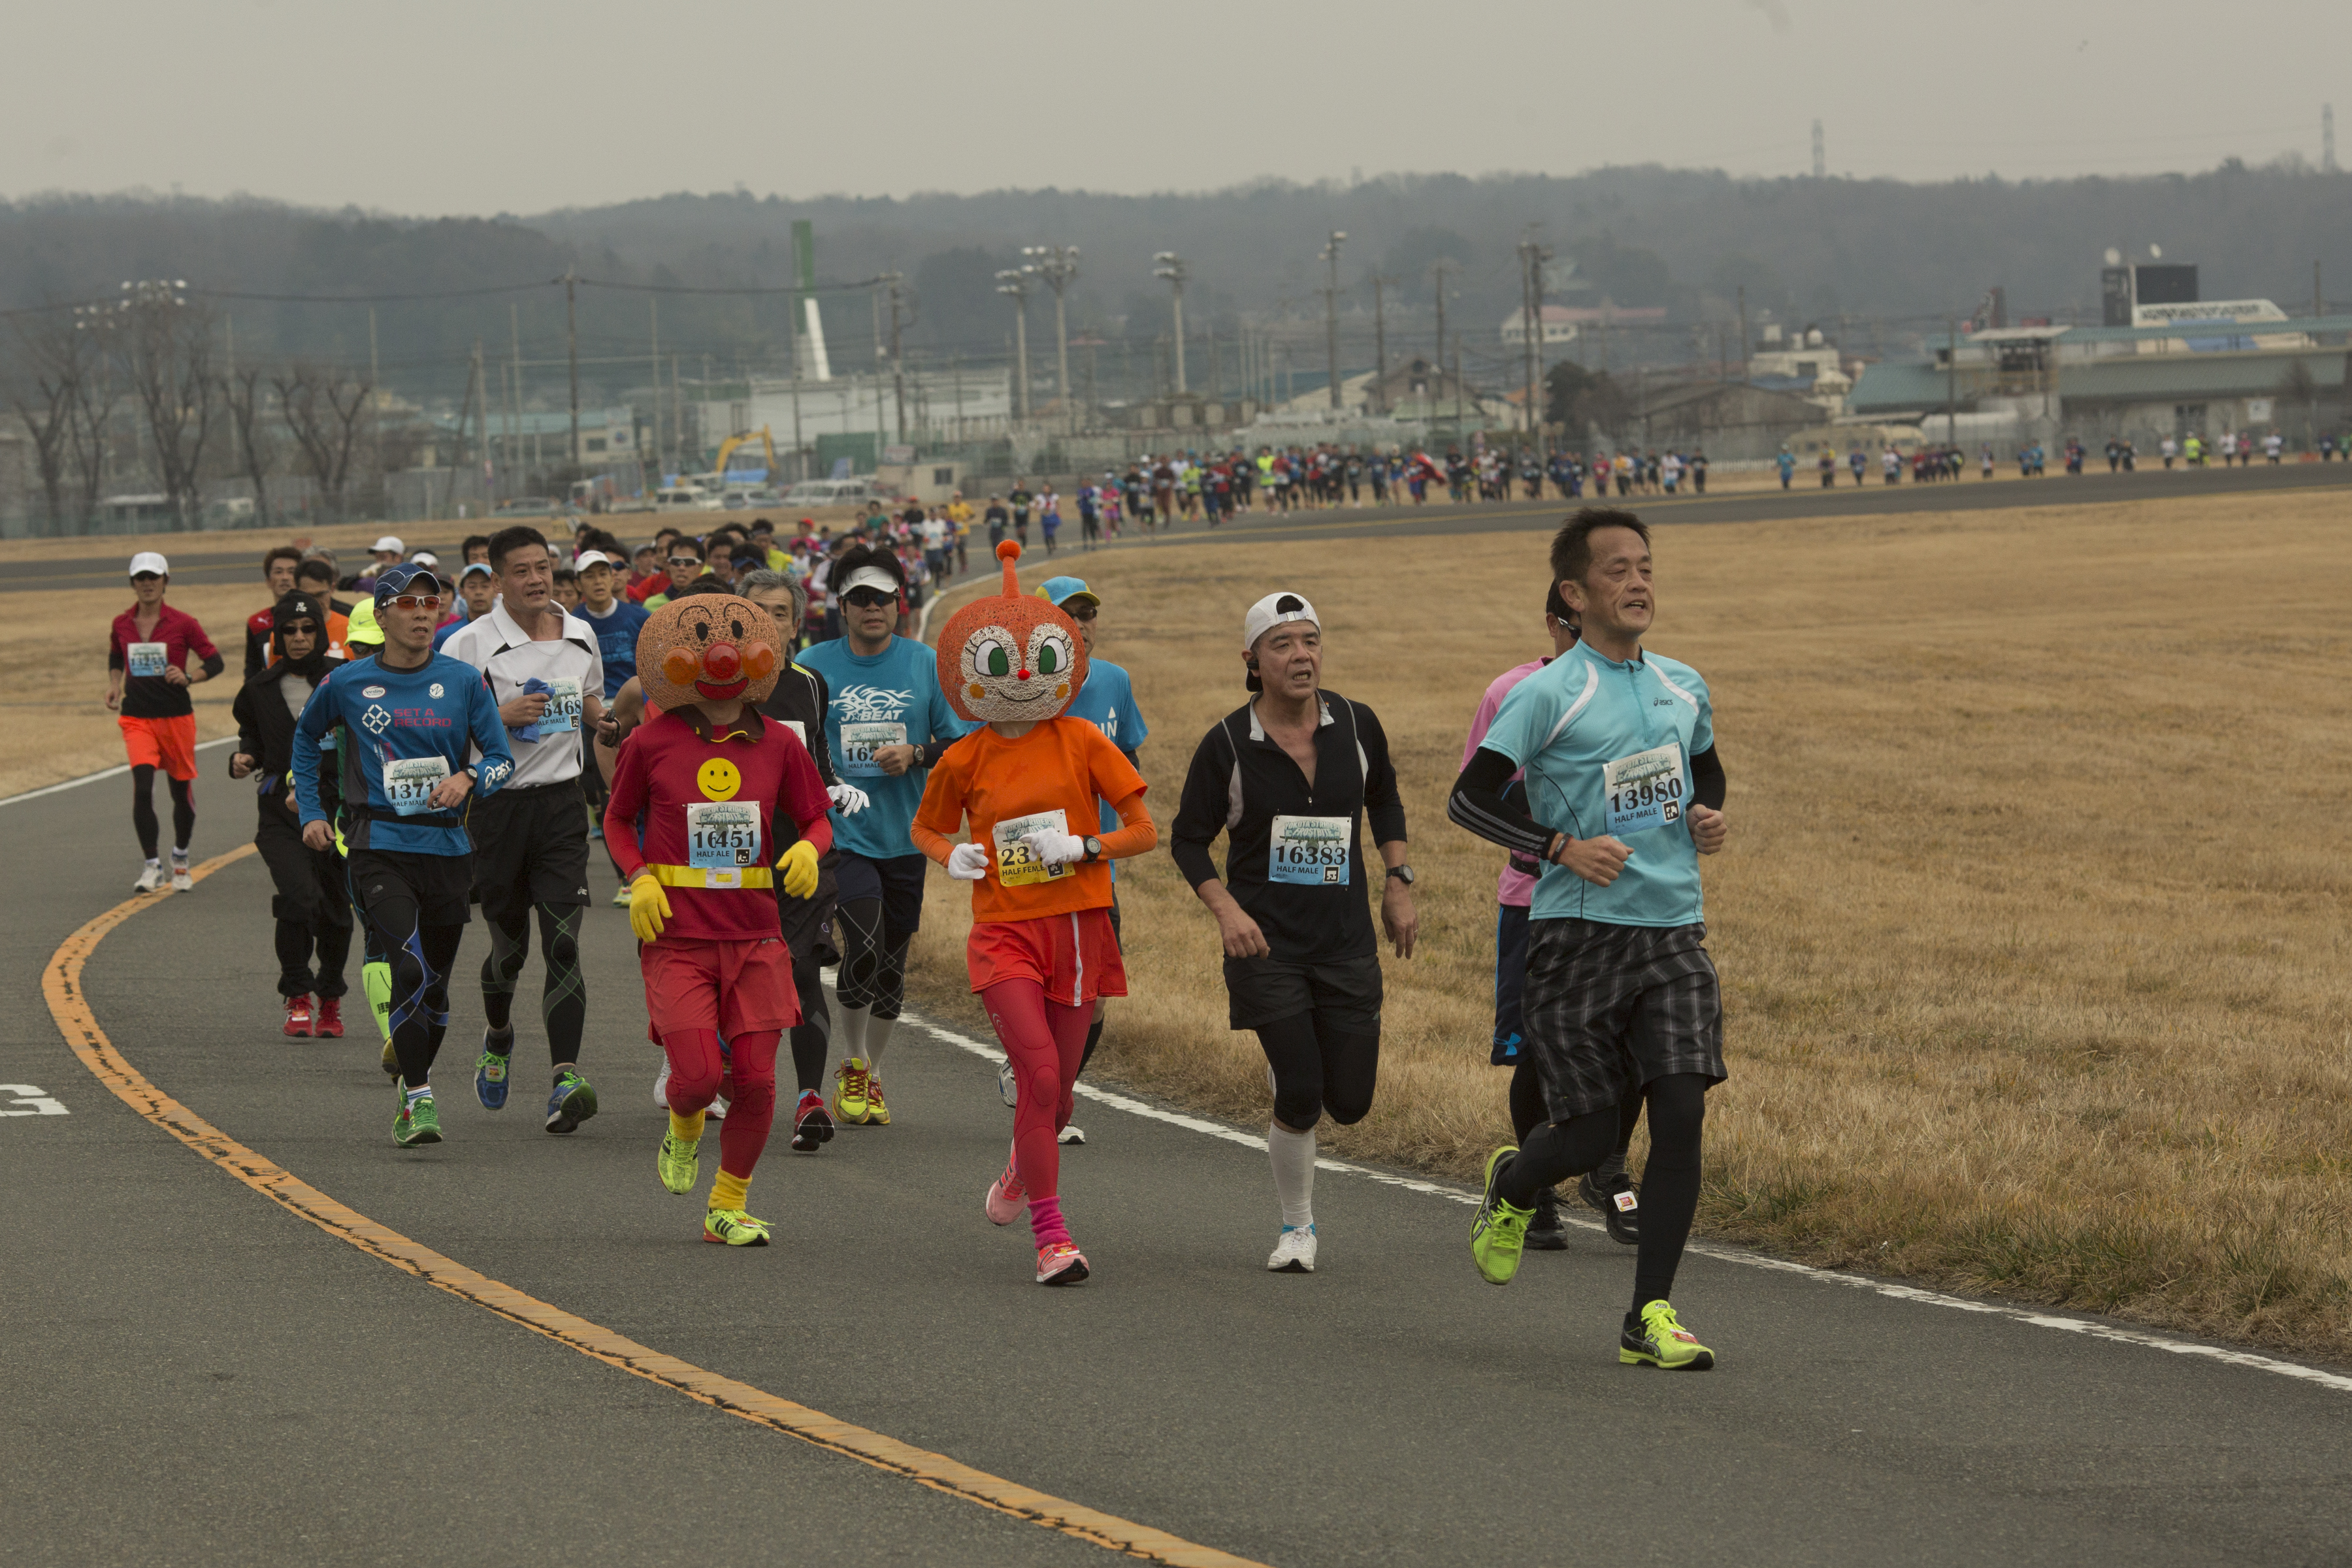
<point>896,880</point>
<point>1611,1007</point>
<point>1344,994</point>
<point>432,885</point>
<point>530,847</point>
<point>1510,985</point>
<point>807,923</point>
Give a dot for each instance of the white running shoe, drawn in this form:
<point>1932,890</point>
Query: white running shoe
<point>1295,1253</point>
<point>181,881</point>
<point>151,881</point>
<point>718,1110</point>
<point>661,1085</point>
<point>1006,1087</point>
<point>1071,1134</point>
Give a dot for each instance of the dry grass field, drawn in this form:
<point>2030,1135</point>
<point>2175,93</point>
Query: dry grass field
<point>2032,922</point>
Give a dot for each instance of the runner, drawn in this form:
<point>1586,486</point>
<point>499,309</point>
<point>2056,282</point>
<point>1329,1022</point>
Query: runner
<point>530,839</point>
<point>1042,948</point>
<point>147,680</point>
<point>278,566</point>
<point>1289,777</point>
<point>313,917</point>
<point>409,716</point>
<point>1624,792</point>
<point>713,784</point>
<point>886,722</point>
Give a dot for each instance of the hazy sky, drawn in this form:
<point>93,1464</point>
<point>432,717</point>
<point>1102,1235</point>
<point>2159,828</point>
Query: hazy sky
<point>430,107</point>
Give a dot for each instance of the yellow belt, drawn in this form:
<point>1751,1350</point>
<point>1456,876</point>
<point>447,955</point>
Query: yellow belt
<point>729,877</point>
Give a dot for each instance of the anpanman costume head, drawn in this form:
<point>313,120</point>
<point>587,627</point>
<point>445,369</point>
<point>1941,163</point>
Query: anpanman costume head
<point>707,647</point>
<point>1010,655</point>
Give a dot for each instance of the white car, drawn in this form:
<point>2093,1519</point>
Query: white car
<point>687,498</point>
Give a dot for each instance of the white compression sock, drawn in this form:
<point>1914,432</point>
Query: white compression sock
<point>877,1038</point>
<point>1293,1156</point>
<point>850,1030</point>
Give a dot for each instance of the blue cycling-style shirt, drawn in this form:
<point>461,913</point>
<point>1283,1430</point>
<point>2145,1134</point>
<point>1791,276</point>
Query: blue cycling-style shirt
<point>1606,749</point>
<point>397,724</point>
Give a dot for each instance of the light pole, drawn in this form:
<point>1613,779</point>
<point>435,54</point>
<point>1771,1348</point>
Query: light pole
<point>1532,255</point>
<point>1168,265</point>
<point>1013,282</point>
<point>1058,265</point>
<point>1331,313</point>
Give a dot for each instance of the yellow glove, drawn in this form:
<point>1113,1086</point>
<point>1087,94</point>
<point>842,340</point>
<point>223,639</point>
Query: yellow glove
<point>799,867</point>
<point>648,907</point>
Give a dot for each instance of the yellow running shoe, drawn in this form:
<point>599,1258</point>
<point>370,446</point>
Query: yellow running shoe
<point>1658,1339</point>
<point>850,1082</point>
<point>1499,1233</point>
<point>877,1113</point>
<point>678,1163</point>
<point>734,1227</point>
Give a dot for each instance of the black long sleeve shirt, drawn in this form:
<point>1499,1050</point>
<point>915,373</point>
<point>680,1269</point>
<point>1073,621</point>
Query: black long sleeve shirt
<point>1241,780</point>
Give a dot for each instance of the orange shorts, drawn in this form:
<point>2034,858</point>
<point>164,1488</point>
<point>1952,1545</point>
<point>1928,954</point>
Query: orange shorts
<point>166,743</point>
<point>1075,956</point>
<point>734,987</point>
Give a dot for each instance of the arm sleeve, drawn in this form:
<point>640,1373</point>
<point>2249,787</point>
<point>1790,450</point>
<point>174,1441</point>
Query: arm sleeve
<point>248,738</point>
<point>316,715</point>
<point>497,765</point>
<point>1200,813</point>
<point>940,814</point>
<point>1707,782</point>
<point>623,802</point>
<point>1477,804</point>
<point>1384,805</point>
<point>114,658</point>
<point>819,752</point>
<point>804,797</point>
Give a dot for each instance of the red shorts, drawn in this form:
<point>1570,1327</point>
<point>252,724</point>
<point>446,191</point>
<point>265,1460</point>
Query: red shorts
<point>1074,957</point>
<point>166,743</point>
<point>734,987</point>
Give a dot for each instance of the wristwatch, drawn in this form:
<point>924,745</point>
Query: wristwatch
<point>1402,874</point>
<point>1093,848</point>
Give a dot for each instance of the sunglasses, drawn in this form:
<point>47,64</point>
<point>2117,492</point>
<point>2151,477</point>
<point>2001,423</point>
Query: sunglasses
<point>417,602</point>
<point>147,577</point>
<point>868,598</point>
<point>299,629</point>
<point>686,560</point>
<point>1080,612</point>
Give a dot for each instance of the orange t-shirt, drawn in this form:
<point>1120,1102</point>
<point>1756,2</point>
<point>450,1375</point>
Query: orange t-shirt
<point>1050,777</point>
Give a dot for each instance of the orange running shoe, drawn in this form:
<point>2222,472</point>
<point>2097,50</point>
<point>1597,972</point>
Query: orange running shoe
<point>1061,1263</point>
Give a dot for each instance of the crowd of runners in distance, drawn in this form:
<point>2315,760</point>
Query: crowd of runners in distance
<point>771,761</point>
<point>1926,464</point>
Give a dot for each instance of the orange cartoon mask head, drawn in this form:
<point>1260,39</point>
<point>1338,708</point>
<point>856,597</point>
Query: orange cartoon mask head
<point>1011,656</point>
<point>707,647</point>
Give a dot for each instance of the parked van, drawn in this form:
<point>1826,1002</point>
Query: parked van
<point>686,498</point>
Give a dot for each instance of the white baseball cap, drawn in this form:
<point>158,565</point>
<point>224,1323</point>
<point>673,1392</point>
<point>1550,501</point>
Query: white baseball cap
<point>148,561</point>
<point>425,558</point>
<point>588,558</point>
<point>1272,611</point>
<point>389,542</point>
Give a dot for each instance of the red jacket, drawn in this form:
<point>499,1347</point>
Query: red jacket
<point>152,696</point>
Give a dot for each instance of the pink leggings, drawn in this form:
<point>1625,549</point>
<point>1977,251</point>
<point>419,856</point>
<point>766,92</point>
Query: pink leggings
<point>695,1070</point>
<point>1046,1041</point>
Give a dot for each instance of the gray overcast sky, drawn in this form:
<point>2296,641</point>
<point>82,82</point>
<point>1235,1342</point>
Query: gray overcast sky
<point>434,106</point>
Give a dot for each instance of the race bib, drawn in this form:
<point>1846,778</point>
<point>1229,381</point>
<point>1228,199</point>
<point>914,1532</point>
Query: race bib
<point>409,782</point>
<point>1311,849</point>
<point>561,714</point>
<point>1016,867</point>
<point>147,659</point>
<point>1644,791</point>
<point>799,730</point>
<point>860,741</point>
<point>721,835</point>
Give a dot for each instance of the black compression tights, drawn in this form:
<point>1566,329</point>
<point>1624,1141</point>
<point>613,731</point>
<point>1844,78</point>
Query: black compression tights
<point>1559,1150</point>
<point>143,810</point>
<point>873,958</point>
<point>1527,1113</point>
<point>812,1034</point>
<point>1319,1070</point>
<point>420,957</point>
<point>563,998</point>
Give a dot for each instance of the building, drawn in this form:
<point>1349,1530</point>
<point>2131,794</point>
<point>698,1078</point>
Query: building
<point>1559,326</point>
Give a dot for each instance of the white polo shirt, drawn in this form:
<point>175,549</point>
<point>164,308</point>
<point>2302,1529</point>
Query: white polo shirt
<point>508,656</point>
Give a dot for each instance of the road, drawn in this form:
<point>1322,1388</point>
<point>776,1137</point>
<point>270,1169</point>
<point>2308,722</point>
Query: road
<point>198,1374</point>
<point>202,560</point>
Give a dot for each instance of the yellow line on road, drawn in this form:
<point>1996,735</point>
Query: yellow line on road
<point>62,984</point>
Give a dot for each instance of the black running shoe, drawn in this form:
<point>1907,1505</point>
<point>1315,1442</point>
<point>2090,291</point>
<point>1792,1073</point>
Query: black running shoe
<point>1614,1202</point>
<point>1545,1232</point>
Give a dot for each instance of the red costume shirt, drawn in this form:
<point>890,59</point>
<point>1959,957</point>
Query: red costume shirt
<point>674,768</point>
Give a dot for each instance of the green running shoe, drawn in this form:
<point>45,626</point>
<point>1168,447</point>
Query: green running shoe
<point>1499,1234</point>
<point>734,1227</point>
<point>1658,1339</point>
<point>417,1123</point>
<point>572,1102</point>
<point>678,1163</point>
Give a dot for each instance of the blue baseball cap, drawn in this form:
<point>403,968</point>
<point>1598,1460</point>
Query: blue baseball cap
<point>405,578</point>
<point>1060,590</point>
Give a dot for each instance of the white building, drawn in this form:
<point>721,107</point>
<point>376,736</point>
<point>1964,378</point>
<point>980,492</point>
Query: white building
<point>942,406</point>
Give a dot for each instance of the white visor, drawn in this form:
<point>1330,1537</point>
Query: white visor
<point>869,577</point>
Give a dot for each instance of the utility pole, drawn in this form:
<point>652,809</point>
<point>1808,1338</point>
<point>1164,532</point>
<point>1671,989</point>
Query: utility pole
<point>1331,311</point>
<point>376,404</point>
<point>1013,283</point>
<point>514,404</point>
<point>653,311</point>
<point>1167,264</point>
<point>897,363</point>
<point>1437,270</point>
<point>1380,341</point>
<point>571,350</point>
<point>1532,255</point>
<point>1951,380</point>
<point>481,389</point>
<point>1744,339</point>
<point>1058,265</point>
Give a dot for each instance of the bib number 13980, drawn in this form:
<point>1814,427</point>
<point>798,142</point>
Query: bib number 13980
<point>1645,789</point>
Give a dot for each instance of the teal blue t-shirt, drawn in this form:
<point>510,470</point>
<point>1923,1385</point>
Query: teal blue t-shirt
<point>1606,748</point>
<point>891,699</point>
<point>1107,702</point>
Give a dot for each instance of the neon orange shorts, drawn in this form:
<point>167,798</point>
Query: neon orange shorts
<point>734,987</point>
<point>166,743</point>
<point>1075,956</point>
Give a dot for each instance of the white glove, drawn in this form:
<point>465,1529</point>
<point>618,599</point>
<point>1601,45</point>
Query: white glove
<point>967,862</point>
<point>1054,848</point>
<point>848,799</point>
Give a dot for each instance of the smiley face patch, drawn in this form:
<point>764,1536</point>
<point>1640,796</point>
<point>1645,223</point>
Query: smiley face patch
<point>719,778</point>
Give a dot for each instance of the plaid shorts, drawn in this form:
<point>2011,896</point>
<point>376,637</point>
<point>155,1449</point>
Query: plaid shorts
<point>1610,1008</point>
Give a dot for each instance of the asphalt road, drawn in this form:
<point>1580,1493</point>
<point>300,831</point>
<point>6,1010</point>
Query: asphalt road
<point>204,562</point>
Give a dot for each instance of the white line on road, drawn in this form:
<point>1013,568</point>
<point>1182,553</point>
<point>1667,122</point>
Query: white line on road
<point>2098,1330</point>
<point>113,773</point>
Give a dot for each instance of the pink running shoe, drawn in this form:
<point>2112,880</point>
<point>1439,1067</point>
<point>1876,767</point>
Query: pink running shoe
<point>1007,1196</point>
<point>1061,1263</point>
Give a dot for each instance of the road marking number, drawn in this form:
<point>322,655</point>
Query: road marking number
<point>30,1100</point>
